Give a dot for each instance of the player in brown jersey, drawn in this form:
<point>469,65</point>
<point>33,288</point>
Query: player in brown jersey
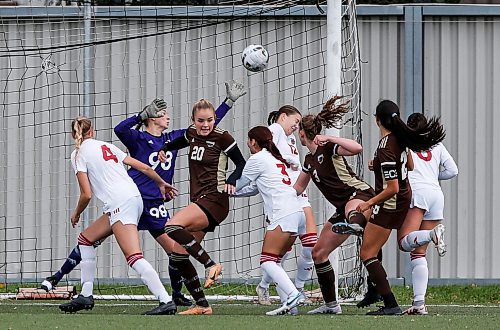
<point>209,150</point>
<point>326,165</point>
<point>390,206</point>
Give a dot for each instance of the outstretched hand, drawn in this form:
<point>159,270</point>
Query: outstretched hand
<point>229,188</point>
<point>168,191</point>
<point>234,90</point>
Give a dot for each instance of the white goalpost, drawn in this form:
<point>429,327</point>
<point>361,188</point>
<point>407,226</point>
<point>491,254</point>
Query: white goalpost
<point>108,62</point>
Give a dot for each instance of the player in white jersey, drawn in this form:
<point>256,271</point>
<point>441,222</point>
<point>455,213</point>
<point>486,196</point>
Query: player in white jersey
<point>426,210</point>
<point>282,124</point>
<point>99,168</point>
<point>266,172</point>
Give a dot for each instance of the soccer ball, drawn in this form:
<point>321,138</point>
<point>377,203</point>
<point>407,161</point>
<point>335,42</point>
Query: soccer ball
<point>255,58</point>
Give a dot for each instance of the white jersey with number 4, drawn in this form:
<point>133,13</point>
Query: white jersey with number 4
<point>271,179</point>
<point>287,145</point>
<point>430,166</point>
<point>103,163</point>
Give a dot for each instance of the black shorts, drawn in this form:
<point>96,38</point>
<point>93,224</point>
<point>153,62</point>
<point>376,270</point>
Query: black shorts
<point>363,195</point>
<point>390,219</point>
<point>216,208</point>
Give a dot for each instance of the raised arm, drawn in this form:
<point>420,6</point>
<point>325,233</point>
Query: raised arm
<point>234,90</point>
<point>345,147</point>
<point>237,158</point>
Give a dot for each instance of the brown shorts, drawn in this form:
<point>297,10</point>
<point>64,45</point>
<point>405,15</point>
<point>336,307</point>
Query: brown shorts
<point>363,195</point>
<point>390,219</point>
<point>216,207</point>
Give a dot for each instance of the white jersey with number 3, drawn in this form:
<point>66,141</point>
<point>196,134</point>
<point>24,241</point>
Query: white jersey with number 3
<point>427,167</point>
<point>271,178</point>
<point>287,145</point>
<point>103,163</point>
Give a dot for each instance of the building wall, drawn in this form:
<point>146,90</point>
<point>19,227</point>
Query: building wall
<point>38,189</point>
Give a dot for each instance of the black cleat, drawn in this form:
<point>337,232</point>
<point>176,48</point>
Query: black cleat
<point>386,311</point>
<point>77,304</point>
<point>49,283</point>
<point>181,300</point>
<point>369,298</point>
<point>163,309</point>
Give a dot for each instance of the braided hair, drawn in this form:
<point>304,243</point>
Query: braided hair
<point>264,138</point>
<point>330,116</point>
<point>79,128</point>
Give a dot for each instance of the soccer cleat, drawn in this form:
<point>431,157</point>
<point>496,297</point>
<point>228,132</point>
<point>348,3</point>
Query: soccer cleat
<point>324,309</point>
<point>77,304</point>
<point>49,283</point>
<point>293,311</point>
<point>307,300</point>
<point>163,309</point>
<point>416,310</point>
<point>386,311</point>
<point>437,236</point>
<point>180,300</point>
<point>263,295</point>
<point>344,228</point>
<point>212,275</point>
<point>370,297</point>
<point>197,310</point>
<point>296,300</point>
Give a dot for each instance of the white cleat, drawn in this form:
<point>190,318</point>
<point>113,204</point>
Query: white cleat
<point>46,285</point>
<point>307,300</point>
<point>324,309</point>
<point>293,311</point>
<point>296,300</point>
<point>437,235</point>
<point>263,295</point>
<point>416,310</point>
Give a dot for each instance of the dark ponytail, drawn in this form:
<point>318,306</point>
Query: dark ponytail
<point>264,138</point>
<point>286,109</point>
<point>426,135</point>
<point>330,116</point>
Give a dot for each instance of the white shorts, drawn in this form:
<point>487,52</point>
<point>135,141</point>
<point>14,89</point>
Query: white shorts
<point>430,200</point>
<point>128,213</point>
<point>294,223</point>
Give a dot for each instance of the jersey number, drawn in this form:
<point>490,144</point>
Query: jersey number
<point>425,155</point>
<point>404,169</point>
<point>286,180</point>
<point>197,153</point>
<point>154,161</point>
<point>107,154</point>
<point>293,149</point>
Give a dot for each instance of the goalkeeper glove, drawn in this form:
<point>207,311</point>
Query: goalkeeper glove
<point>234,90</point>
<point>154,110</point>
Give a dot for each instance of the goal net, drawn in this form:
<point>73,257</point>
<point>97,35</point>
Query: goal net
<point>62,60</point>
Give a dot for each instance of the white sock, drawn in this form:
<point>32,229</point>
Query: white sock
<point>279,277</point>
<point>415,239</point>
<point>305,265</point>
<point>150,277</point>
<point>87,267</point>
<point>419,275</point>
<point>266,279</point>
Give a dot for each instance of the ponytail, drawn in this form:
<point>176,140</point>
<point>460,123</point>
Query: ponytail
<point>330,116</point>
<point>422,137</point>
<point>264,138</point>
<point>286,109</point>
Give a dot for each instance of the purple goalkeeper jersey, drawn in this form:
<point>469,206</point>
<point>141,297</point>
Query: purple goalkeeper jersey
<point>144,147</point>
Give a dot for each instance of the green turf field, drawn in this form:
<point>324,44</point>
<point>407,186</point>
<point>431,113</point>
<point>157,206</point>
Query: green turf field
<point>449,308</point>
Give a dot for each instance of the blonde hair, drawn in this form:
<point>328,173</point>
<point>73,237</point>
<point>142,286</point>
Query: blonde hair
<point>80,127</point>
<point>202,104</point>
